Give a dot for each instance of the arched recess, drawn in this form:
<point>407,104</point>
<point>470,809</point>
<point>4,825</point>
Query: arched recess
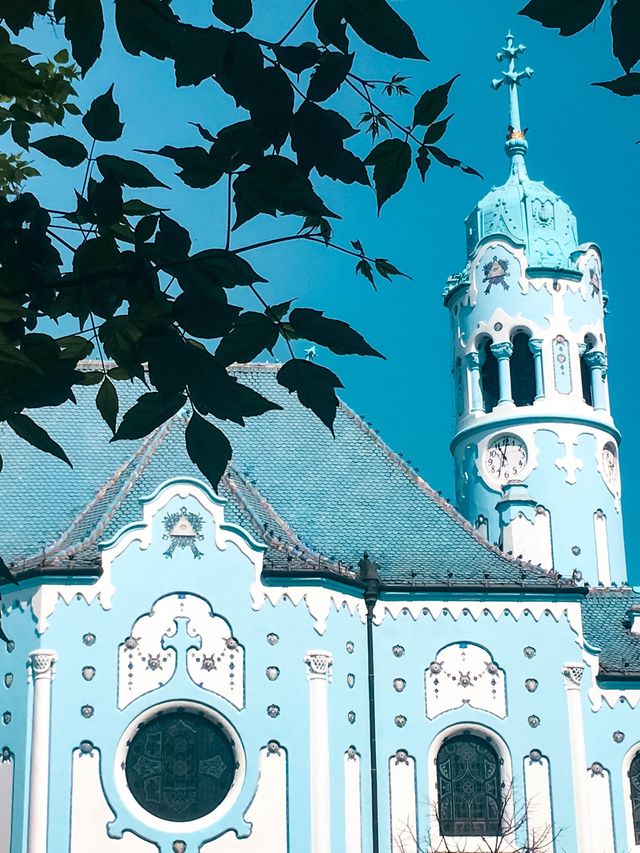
<point>489,380</point>
<point>523,372</point>
<point>631,788</point>
<point>483,818</point>
<point>585,370</point>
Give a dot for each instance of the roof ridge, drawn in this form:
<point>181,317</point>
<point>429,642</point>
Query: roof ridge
<point>444,505</point>
<point>144,453</point>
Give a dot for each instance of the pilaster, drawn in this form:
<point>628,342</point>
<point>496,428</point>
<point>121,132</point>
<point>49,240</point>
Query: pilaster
<point>41,667</point>
<point>572,673</point>
<point>318,673</point>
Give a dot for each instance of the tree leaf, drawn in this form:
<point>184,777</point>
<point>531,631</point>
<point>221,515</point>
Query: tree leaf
<point>625,29</point>
<point>423,161</point>
<point>452,162</point>
<point>147,27</point>
<point>198,168</point>
<point>315,386</point>
<point>568,16</point>
<point>364,268</point>
<point>127,172</point>
<point>275,184</point>
<point>272,106</point>
<point>391,160</point>
<point>233,13</point>
<point>35,435</point>
<point>381,27</point>
<point>7,575</point>
<point>299,58</point>
<point>317,137</point>
<point>329,75</point>
<point>251,334</point>
<point>436,131</point>
<point>106,199</point>
<point>208,448</point>
<point>328,16</point>
<point>431,103</point>
<point>150,412</point>
<point>83,26</point>
<point>66,150</point>
<point>336,335</point>
<point>172,240</point>
<point>19,14</point>
<point>102,119</point>
<point>107,403</point>
<point>214,268</point>
<point>387,269</point>
<point>628,84</point>
<point>202,317</point>
<point>136,207</point>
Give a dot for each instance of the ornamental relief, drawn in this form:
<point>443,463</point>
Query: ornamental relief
<point>181,631</point>
<point>465,674</point>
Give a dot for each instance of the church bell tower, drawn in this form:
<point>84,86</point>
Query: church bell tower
<point>535,446</point>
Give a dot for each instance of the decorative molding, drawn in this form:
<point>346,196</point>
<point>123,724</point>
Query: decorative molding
<point>319,664</point>
<point>197,639</point>
<point>573,673</point>
<point>465,674</point>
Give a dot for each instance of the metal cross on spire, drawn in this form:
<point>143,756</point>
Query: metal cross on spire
<point>511,78</point>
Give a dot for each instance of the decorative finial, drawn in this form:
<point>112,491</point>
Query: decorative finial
<point>516,144</point>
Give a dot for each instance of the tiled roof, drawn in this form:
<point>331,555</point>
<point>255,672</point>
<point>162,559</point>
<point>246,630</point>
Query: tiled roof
<point>606,628</point>
<point>318,502</point>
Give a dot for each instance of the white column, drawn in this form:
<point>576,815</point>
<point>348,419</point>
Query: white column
<point>540,829</point>
<point>572,673</point>
<point>318,671</point>
<point>352,802</point>
<point>402,782</point>
<point>41,662</point>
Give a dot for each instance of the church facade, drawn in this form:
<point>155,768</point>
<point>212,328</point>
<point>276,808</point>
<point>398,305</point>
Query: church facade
<point>326,656</point>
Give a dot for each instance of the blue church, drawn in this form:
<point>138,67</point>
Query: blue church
<point>326,656</point>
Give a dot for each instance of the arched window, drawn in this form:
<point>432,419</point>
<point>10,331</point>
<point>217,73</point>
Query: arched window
<point>469,787</point>
<point>634,782</point>
<point>585,371</point>
<point>489,375</point>
<point>523,372</point>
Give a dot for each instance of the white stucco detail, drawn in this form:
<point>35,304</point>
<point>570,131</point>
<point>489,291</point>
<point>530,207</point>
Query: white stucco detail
<point>318,672</point>
<point>530,539</point>
<point>464,674</point>
<point>352,802</point>
<point>602,547</point>
<point>147,658</point>
<point>599,790</point>
<point>572,674</point>
<point>6,803</point>
<point>90,812</point>
<point>402,791</point>
<point>45,597</point>
<point>41,663</point>
<point>267,813</point>
<point>569,462</point>
<point>540,829</point>
<point>518,269</point>
<point>319,601</point>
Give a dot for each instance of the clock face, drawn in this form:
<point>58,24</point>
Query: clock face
<point>610,466</point>
<point>506,458</point>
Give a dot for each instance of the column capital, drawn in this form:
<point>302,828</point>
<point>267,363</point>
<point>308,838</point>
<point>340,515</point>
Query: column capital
<point>504,349</point>
<point>319,664</point>
<point>473,359</point>
<point>596,358</point>
<point>535,345</point>
<point>573,673</point>
<point>41,662</point>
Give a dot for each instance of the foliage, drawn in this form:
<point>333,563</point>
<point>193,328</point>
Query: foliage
<point>125,270</point>
<point>570,17</point>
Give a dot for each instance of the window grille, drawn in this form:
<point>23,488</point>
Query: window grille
<point>469,787</point>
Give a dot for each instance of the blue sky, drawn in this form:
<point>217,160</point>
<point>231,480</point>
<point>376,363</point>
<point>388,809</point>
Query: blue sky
<point>581,142</point>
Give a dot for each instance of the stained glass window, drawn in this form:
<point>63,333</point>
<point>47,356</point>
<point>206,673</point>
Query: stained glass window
<point>634,781</point>
<point>469,798</point>
<point>180,765</point>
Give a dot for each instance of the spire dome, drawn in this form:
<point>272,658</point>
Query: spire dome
<point>525,211</point>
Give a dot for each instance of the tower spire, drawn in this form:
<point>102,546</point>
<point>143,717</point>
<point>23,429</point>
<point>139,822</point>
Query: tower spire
<point>516,144</point>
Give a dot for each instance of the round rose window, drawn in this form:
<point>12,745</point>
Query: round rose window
<point>180,765</point>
